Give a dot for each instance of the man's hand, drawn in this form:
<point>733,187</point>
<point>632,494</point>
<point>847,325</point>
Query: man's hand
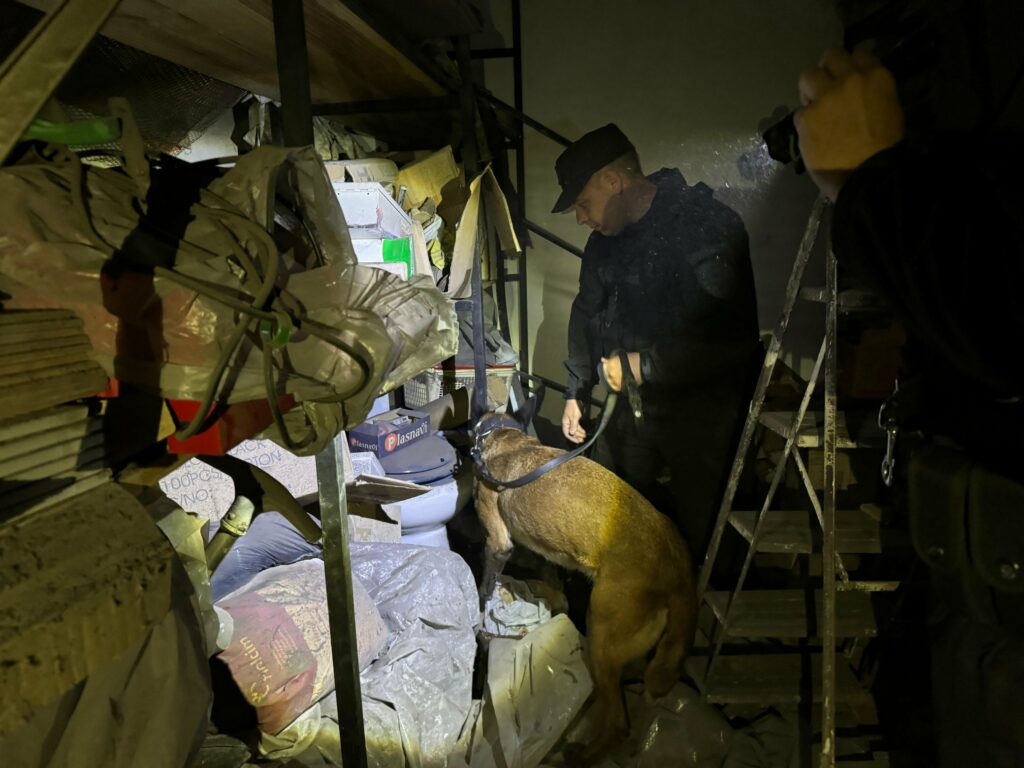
<point>851,112</point>
<point>613,370</point>
<point>571,428</point>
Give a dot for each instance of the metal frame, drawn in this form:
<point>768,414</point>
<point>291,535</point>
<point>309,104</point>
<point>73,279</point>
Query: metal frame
<point>382,106</point>
<point>517,90</point>
<point>297,119</point>
<point>462,97</point>
<point>30,75</point>
<point>828,552</point>
<point>835,577</point>
<point>796,277</point>
<point>293,72</point>
<point>330,480</point>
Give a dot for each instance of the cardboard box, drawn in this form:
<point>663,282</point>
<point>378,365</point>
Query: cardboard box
<point>380,523</point>
<point>386,433</point>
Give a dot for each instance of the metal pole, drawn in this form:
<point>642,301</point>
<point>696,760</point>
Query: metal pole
<point>382,106</point>
<point>517,88</point>
<point>293,72</point>
<point>479,347</point>
<point>524,118</point>
<point>828,552</point>
<point>470,150</point>
<point>330,478</point>
<point>780,470</point>
<point>551,237</point>
<point>34,70</point>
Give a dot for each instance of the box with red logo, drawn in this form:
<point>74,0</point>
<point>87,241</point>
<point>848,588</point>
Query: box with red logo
<point>388,432</point>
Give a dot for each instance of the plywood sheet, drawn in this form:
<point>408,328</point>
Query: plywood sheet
<point>233,41</point>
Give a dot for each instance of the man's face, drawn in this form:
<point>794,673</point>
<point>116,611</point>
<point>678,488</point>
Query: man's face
<point>600,205</point>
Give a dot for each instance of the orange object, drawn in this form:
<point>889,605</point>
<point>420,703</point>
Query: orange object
<point>237,422</point>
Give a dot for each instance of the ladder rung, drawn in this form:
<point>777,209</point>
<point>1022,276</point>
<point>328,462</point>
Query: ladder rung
<point>877,760</point>
<point>812,429</point>
<point>851,300</point>
<point>793,532</point>
<point>850,749</point>
<point>770,679</point>
<point>784,613</point>
<point>867,586</point>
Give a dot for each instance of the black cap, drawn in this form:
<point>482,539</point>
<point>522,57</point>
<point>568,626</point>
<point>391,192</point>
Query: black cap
<point>585,157</point>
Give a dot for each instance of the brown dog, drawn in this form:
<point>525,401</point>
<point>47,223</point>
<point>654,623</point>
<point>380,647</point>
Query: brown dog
<point>583,517</point>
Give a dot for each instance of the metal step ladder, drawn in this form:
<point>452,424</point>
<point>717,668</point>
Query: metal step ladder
<point>800,628</point>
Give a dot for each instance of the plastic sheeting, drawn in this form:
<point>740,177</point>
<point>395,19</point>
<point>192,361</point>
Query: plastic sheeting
<point>159,335</point>
<point>417,697</point>
<point>681,731</point>
<point>535,688</point>
<point>513,610</point>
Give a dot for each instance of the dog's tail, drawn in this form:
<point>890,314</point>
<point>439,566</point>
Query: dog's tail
<point>663,671</point>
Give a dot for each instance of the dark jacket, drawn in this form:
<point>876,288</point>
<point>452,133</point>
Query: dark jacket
<point>677,287</point>
<point>942,239</point>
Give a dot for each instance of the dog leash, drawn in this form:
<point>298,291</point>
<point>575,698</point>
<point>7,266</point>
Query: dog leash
<point>477,450</point>
<point>629,384</point>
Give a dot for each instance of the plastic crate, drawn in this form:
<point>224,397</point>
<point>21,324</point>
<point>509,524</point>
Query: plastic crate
<point>437,382</point>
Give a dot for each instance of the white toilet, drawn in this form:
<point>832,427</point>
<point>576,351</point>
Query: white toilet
<point>431,462</point>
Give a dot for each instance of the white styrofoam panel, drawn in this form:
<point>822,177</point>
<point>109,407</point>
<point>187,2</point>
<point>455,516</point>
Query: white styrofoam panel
<point>370,211</point>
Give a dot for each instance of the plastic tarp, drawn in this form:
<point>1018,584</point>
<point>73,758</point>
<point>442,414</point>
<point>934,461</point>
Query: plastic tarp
<point>513,610</point>
<point>536,686</point>
<point>161,336</point>
<point>417,697</point>
<point>681,731</point>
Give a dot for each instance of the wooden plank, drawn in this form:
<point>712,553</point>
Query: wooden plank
<point>11,380</point>
<point>43,345</point>
<point>49,463</point>
<point>29,424</point>
<point>784,613</point>
<point>233,41</point>
<point>769,679</point>
<point>41,441</point>
<point>37,396</point>
<point>792,531</point>
<point>811,433</point>
<point>15,316</point>
<point>877,760</point>
<point>54,490</point>
<point>850,300</point>
<point>14,338</point>
<point>47,353</point>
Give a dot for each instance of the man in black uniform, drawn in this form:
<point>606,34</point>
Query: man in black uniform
<point>666,279</point>
<point>942,238</point>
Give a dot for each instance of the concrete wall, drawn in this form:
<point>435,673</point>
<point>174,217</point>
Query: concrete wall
<point>689,81</point>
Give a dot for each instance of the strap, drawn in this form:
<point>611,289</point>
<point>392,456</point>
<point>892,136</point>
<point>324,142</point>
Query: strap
<point>631,387</point>
<point>543,469</point>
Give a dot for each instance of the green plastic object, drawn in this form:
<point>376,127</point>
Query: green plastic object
<point>277,333</point>
<point>399,250</point>
<point>80,133</point>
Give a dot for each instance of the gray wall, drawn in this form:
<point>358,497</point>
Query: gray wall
<point>689,82</point>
